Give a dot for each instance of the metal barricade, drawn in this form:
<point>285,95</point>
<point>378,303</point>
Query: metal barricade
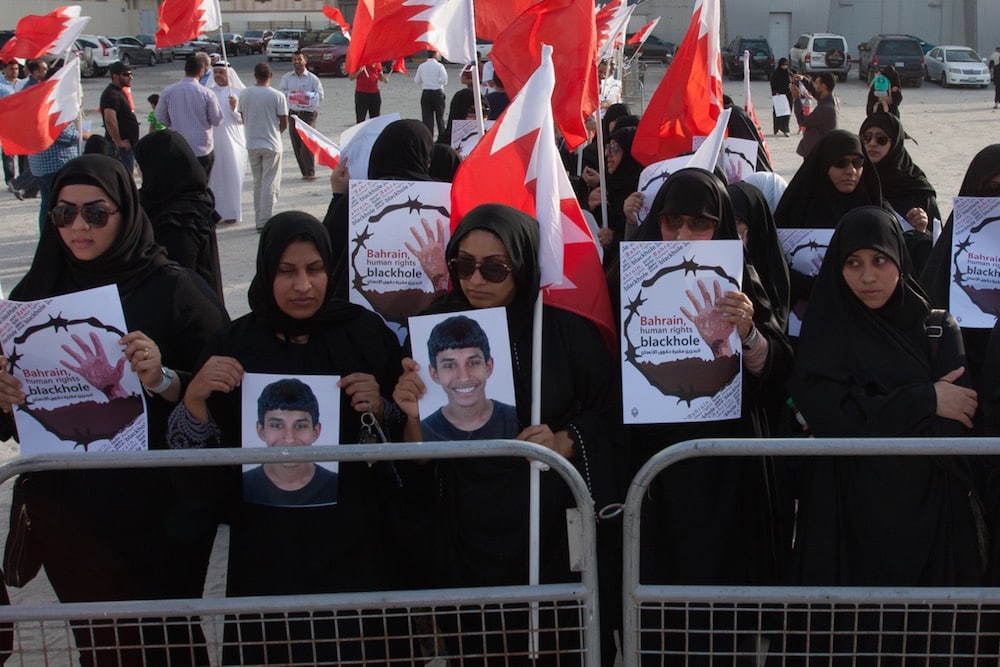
<point>776,625</point>
<point>383,627</point>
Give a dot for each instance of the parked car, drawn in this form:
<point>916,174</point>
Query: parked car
<point>761,58</point>
<point>96,55</point>
<point>257,39</point>
<point>164,55</point>
<point>235,44</point>
<point>924,45</point>
<point>133,52</point>
<point>902,52</point>
<point>201,45</point>
<point>653,49</point>
<point>956,66</point>
<point>815,52</point>
<point>285,42</point>
<point>329,56</point>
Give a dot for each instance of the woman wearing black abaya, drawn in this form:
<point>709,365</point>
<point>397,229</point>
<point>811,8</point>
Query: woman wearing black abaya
<point>461,107</point>
<point>121,534</point>
<point>297,327</point>
<point>621,180</point>
<point>982,179</point>
<point>402,152</point>
<point>780,81</point>
<point>482,505</point>
<point>711,520</point>
<point>904,185</point>
<point>887,520</point>
<point>176,198</point>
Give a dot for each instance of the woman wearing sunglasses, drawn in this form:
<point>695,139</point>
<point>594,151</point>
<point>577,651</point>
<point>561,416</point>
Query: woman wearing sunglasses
<point>622,180</point>
<point>102,533</point>
<point>482,503</point>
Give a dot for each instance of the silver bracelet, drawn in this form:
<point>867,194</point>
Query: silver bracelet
<point>751,339</point>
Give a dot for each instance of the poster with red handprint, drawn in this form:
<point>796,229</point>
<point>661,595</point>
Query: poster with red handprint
<point>82,394</point>
<point>396,240</point>
<point>680,344</point>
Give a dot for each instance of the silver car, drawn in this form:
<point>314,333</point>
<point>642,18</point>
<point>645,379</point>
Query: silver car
<point>956,66</point>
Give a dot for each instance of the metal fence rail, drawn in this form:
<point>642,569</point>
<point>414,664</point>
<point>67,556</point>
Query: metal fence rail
<point>757,626</point>
<point>418,627</point>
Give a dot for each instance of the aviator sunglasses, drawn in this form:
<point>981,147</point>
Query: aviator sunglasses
<point>845,162</point>
<point>879,139</point>
<point>492,270</point>
<point>94,215</point>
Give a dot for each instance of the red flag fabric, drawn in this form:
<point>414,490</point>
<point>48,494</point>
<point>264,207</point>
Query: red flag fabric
<point>184,20</point>
<point>390,29</point>
<point>639,38</point>
<point>517,163</point>
<point>31,120</point>
<point>327,153</point>
<point>52,33</point>
<point>493,16</point>
<point>334,15</point>
<point>399,66</point>
<point>568,25</point>
<point>688,100</point>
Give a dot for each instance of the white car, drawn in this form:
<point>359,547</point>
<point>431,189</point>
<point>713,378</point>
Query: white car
<point>956,66</point>
<point>284,43</point>
<point>96,55</point>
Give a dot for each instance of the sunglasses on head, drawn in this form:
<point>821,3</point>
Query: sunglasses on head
<point>492,270</point>
<point>880,139</point>
<point>695,224</point>
<point>845,162</point>
<point>94,215</point>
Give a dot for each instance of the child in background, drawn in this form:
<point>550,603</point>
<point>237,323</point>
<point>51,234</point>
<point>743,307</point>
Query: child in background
<point>154,125</point>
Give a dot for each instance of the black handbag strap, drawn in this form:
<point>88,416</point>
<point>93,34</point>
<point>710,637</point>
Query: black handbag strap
<point>934,331</point>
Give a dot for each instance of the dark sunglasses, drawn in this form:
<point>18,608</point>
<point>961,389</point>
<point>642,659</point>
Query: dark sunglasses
<point>614,149</point>
<point>492,270</point>
<point>879,139</point>
<point>845,162</point>
<point>94,215</point>
<point>697,225</point>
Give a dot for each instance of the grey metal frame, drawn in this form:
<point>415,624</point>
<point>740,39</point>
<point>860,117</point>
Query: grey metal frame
<point>584,594</point>
<point>772,599</point>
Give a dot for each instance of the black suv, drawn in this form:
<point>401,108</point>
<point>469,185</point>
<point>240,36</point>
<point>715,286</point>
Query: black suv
<point>761,58</point>
<point>901,51</point>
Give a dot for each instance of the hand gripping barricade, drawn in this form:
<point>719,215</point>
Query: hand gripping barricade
<point>802,625</point>
<point>377,621</point>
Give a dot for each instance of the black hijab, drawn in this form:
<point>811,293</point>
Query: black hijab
<point>811,201</point>
<point>781,78</point>
<point>279,232</point>
<point>402,152</point>
<point>132,258</point>
<point>876,350</point>
<point>444,163</point>
<point>462,105</point>
<point>902,181</point>
<point>174,184</point>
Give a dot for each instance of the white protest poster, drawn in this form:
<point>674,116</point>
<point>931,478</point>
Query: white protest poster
<point>804,251</point>
<point>356,142</point>
<point>465,134</point>
<point>290,411</point>
<point>466,365</point>
<point>82,392</point>
<point>396,239</point>
<point>739,158</point>
<point>781,105</point>
<point>680,360</point>
<point>974,299</point>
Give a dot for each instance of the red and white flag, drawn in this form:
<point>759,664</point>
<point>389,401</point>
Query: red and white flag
<point>390,29</point>
<point>31,120</point>
<point>399,66</point>
<point>748,104</point>
<point>327,153</point>
<point>568,25</point>
<point>611,21</point>
<point>184,20</point>
<point>517,164</point>
<point>639,38</point>
<point>52,33</point>
<point>337,17</point>
<point>688,100</point>
<point>493,16</point>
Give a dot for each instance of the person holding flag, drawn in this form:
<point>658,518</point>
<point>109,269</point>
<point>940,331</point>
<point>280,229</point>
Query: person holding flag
<point>367,98</point>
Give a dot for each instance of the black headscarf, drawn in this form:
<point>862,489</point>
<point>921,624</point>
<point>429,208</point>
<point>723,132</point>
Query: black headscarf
<point>781,79</point>
<point>402,152</point>
<point>902,181</point>
<point>811,201</point>
<point>461,106</point>
<point>132,258</point>
<point>279,232</point>
<point>174,184</point>
<point>444,163</point>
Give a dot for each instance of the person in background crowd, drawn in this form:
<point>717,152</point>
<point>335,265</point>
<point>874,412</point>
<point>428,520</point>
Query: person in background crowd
<point>265,116</point>
<point>226,180</point>
<point>367,98</point>
<point>154,125</point>
<point>304,92</point>
<point>192,110</point>
<point>781,79</point>
<point>121,127</point>
<point>820,120</point>
<point>9,84</point>
<point>432,77</point>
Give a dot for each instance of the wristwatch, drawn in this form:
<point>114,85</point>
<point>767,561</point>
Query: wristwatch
<point>168,379</point>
